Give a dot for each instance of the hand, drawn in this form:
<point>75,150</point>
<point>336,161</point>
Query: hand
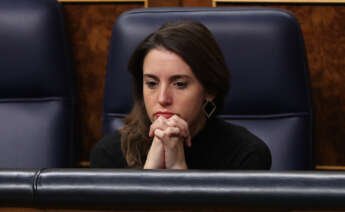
<point>155,158</point>
<point>174,121</point>
<point>167,147</point>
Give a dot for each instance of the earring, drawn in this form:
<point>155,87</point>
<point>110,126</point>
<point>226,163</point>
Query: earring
<point>209,107</point>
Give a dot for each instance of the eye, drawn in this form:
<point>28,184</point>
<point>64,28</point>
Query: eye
<point>151,84</point>
<point>181,84</point>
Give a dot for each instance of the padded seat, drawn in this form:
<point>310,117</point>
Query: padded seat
<point>36,97</point>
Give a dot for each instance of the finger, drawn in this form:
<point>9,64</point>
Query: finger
<point>185,128</point>
<point>177,121</point>
<point>189,141</point>
<point>173,131</point>
<point>159,134</point>
<point>158,123</point>
<point>167,133</point>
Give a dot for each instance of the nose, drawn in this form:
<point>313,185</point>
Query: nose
<point>164,97</point>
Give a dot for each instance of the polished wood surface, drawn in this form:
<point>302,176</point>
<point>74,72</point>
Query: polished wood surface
<point>330,168</point>
<point>323,25</point>
<point>215,2</point>
<point>145,2</point>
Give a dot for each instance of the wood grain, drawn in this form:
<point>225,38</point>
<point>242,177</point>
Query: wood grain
<point>89,28</point>
<point>215,2</point>
<point>170,3</point>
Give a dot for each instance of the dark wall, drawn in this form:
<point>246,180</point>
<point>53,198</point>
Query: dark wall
<point>89,27</point>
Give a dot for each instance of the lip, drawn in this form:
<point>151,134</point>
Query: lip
<point>164,114</point>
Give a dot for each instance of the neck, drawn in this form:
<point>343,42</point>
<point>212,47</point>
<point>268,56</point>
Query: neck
<point>197,125</point>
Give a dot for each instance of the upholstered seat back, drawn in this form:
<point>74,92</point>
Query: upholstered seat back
<point>36,102</point>
<point>264,49</point>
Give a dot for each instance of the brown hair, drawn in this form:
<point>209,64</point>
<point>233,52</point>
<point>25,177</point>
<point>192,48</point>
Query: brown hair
<point>194,43</point>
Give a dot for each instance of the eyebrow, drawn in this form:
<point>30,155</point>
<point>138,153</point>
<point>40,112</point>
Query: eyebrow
<point>150,76</point>
<point>173,78</point>
<point>176,77</point>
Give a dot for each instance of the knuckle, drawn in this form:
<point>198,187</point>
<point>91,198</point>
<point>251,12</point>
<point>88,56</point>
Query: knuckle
<point>173,122</point>
<point>159,120</point>
<point>156,132</point>
<point>170,131</point>
<point>175,130</point>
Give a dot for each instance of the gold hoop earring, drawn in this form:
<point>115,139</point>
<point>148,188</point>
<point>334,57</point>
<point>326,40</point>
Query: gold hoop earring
<point>209,107</point>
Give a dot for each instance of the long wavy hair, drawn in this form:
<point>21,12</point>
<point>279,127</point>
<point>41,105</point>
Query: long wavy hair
<point>195,44</point>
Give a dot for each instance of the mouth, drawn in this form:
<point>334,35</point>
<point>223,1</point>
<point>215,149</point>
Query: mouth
<point>164,114</point>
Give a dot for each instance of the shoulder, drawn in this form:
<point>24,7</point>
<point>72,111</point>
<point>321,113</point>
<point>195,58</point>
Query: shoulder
<point>111,140</point>
<point>107,152</point>
<point>227,130</point>
<point>238,134</point>
<point>249,151</point>
<point>109,144</point>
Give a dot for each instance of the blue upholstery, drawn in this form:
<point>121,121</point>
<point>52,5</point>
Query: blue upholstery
<point>36,102</point>
<point>264,49</point>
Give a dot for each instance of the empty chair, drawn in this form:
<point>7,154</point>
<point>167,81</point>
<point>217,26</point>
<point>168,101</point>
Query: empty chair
<point>36,97</point>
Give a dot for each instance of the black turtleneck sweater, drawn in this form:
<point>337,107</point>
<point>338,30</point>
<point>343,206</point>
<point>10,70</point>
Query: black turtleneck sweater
<point>219,145</point>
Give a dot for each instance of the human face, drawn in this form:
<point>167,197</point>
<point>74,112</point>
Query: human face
<point>170,87</point>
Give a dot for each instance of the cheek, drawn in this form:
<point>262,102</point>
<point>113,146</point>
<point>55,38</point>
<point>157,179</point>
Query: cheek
<point>192,107</point>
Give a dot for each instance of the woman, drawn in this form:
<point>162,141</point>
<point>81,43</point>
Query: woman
<point>180,81</point>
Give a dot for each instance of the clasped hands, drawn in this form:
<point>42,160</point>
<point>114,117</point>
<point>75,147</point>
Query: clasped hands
<point>166,151</point>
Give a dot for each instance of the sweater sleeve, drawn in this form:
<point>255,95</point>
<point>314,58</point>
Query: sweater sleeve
<point>107,153</point>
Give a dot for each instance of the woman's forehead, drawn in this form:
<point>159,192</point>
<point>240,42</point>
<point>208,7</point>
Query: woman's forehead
<point>161,62</point>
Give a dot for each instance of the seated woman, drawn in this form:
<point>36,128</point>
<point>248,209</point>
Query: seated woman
<point>180,81</point>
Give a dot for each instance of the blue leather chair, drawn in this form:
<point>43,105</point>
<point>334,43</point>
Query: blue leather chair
<point>264,49</point>
<point>36,100</point>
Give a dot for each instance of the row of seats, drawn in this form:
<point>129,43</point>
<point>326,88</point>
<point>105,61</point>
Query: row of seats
<point>111,189</point>
<point>264,48</point>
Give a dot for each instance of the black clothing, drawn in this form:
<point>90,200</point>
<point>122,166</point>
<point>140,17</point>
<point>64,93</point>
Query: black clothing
<point>219,145</point>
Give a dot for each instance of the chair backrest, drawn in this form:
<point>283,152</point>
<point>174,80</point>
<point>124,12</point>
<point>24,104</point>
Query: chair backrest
<point>36,102</point>
<point>264,49</point>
